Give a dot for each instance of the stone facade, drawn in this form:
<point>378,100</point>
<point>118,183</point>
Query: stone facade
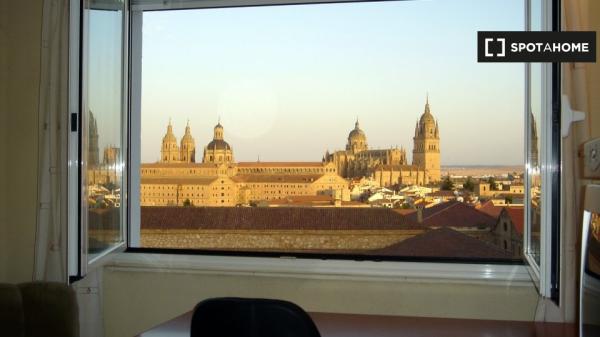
<point>390,166</point>
<point>426,149</point>
<point>286,240</point>
<point>220,181</point>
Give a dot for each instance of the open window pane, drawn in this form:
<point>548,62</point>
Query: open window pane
<point>308,129</point>
<point>534,170</point>
<point>103,112</point>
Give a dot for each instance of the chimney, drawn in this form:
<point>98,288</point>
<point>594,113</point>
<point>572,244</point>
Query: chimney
<point>419,214</point>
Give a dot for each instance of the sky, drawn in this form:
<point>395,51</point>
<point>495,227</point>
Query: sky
<point>288,82</point>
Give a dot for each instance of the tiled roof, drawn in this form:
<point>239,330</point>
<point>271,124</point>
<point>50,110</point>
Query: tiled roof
<point>281,164</point>
<point>453,214</point>
<point>446,243</point>
<point>279,218</point>
<point>179,165</point>
<point>490,209</point>
<point>312,200</point>
<point>191,180</point>
<point>277,178</point>
<point>517,217</point>
<point>441,194</point>
<point>302,199</point>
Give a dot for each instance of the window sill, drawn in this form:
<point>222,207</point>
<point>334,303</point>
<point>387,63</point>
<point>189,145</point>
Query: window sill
<point>488,274</point>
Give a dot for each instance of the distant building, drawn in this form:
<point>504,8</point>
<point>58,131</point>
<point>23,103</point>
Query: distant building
<point>454,215</point>
<point>426,149</point>
<point>489,208</point>
<point>483,189</point>
<point>219,181</point>
<point>218,150</point>
<point>507,233</point>
<point>389,166</point>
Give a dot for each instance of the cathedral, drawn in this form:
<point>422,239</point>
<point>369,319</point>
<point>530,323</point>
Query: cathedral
<point>389,166</point>
<point>218,180</point>
<point>218,150</point>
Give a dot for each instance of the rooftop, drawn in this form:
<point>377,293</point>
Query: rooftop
<point>279,218</point>
<point>179,165</point>
<point>280,164</point>
<point>276,178</point>
<point>444,242</point>
<point>490,209</point>
<point>191,180</point>
<point>453,214</point>
<point>517,217</point>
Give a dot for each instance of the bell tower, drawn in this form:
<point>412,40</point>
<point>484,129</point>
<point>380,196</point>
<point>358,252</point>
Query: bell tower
<point>188,146</point>
<point>426,148</point>
<point>169,152</point>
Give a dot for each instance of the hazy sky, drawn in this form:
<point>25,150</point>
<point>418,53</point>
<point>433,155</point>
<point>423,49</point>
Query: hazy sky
<point>288,82</point>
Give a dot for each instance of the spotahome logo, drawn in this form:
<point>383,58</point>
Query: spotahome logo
<point>536,46</point>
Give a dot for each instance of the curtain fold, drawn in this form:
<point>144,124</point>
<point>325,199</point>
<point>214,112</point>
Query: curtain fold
<point>51,231</point>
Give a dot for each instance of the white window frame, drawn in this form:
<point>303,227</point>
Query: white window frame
<point>79,262</point>
<point>541,273</point>
<point>460,272</point>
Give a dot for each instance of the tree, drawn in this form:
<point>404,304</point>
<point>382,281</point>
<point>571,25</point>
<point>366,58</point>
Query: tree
<point>447,184</point>
<point>187,203</point>
<point>492,183</point>
<point>469,184</point>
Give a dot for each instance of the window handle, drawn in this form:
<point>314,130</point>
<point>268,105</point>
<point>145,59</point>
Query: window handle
<point>569,116</point>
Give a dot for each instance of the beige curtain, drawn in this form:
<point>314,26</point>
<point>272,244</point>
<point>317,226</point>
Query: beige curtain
<point>51,231</point>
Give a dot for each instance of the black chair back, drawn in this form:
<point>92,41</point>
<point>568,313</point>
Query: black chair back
<point>247,317</point>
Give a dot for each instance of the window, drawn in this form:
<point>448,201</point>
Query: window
<point>102,135</point>
<point>284,90</point>
<point>290,96</point>
<point>543,143</point>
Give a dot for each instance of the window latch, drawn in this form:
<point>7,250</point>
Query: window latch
<point>568,116</point>
<point>73,122</point>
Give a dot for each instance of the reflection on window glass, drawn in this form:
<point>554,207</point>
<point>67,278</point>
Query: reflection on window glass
<point>534,142</point>
<point>104,176</point>
<point>332,128</point>
<point>535,118</point>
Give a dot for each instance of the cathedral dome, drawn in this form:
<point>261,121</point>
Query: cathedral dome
<point>356,132</point>
<point>218,144</point>
<point>187,137</point>
<point>169,136</point>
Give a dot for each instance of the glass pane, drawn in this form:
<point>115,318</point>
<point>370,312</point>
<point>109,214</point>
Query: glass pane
<point>260,132</point>
<point>103,141</point>
<point>534,146</point>
<point>534,141</point>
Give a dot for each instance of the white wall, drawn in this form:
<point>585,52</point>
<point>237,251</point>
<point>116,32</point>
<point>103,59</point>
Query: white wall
<point>19,71</point>
<point>137,300</point>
